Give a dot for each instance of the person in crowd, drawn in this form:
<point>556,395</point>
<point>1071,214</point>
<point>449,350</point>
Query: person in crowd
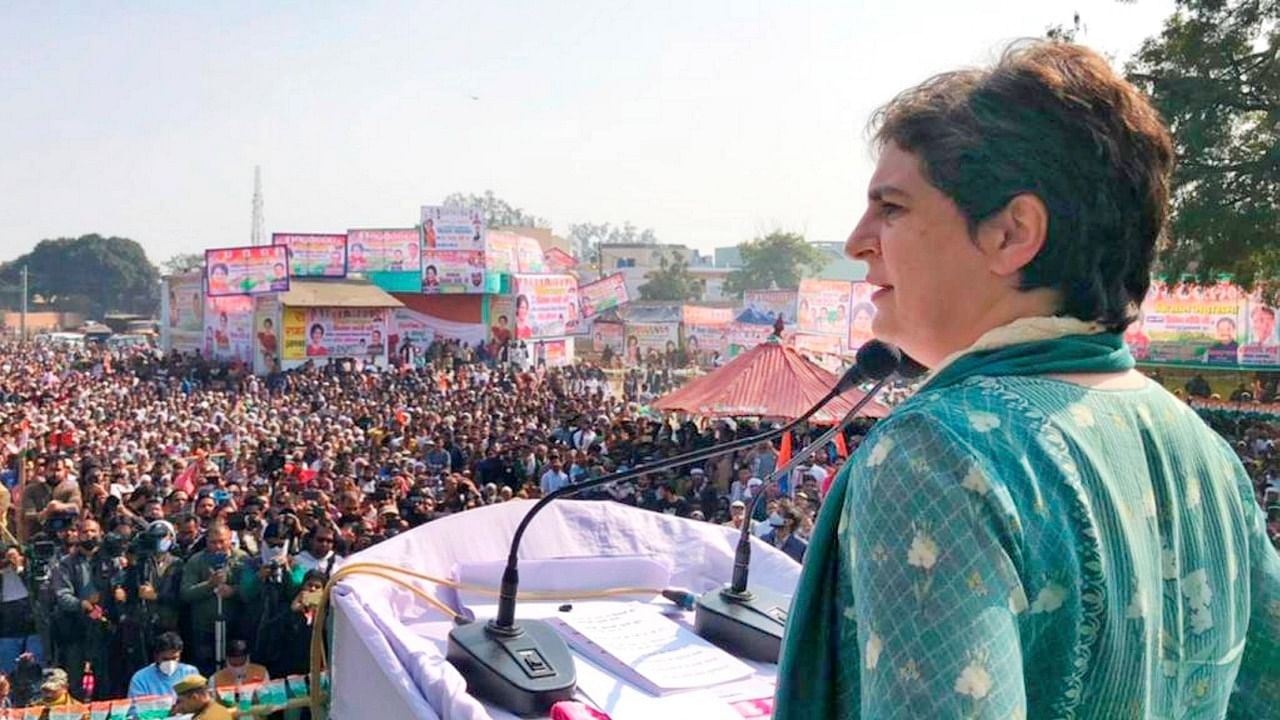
<point>55,690</point>
<point>159,677</point>
<point>209,590</point>
<point>80,588</point>
<point>782,534</point>
<point>238,670</point>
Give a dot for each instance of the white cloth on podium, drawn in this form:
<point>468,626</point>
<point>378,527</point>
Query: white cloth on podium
<point>385,664</point>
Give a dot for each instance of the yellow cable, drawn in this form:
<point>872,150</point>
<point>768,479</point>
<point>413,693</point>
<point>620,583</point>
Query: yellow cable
<point>319,661</point>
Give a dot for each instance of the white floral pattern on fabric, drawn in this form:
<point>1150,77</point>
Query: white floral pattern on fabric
<point>1082,415</point>
<point>879,452</point>
<point>983,422</point>
<point>1018,600</point>
<point>923,552</point>
<point>1049,598</point>
<point>974,680</point>
<point>974,481</point>
<point>1195,587</point>
<point>874,647</point>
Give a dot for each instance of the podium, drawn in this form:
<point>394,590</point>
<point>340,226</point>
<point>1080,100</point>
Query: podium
<point>387,658</point>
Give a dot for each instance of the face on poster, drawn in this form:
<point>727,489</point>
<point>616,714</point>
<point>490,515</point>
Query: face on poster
<point>335,332</point>
<point>266,339</point>
<point>452,272</point>
<point>647,339</point>
<point>607,335</point>
<point>314,254</point>
<point>453,228</point>
<point>545,305</point>
<point>228,328</point>
<point>1189,325</point>
<point>184,309</point>
<point>707,338</point>
<point>395,250</point>
<point>603,294</point>
<point>1263,346</point>
<point>861,316</point>
<point>502,318</point>
<point>247,270</point>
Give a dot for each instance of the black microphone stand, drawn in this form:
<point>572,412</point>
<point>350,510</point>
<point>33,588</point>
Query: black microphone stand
<point>526,667</point>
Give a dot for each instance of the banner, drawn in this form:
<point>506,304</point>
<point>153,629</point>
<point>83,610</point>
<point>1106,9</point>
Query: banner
<point>744,336</point>
<point>314,255</point>
<point>1262,345</point>
<point>502,318</point>
<point>453,228</point>
<point>410,333</point>
<point>608,335</point>
<point>266,335</point>
<point>546,305</point>
<point>452,271</point>
<point>650,341</point>
<point>228,328</point>
<point>247,270</point>
<point>529,255</point>
<point>860,317</point>
<point>1213,325</point>
<point>699,315</point>
<point>705,340</point>
<point>603,294</point>
<point>183,312</point>
<point>824,307</point>
<point>500,252</point>
<point>764,306</point>
<point>555,353</point>
<point>319,333</point>
<point>373,251</point>
<point>558,261</point>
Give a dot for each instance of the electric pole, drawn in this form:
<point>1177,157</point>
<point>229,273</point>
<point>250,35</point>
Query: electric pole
<point>255,235</point>
<point>24,302</point>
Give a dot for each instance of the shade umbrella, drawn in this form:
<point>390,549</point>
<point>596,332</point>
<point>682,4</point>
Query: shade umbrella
<point>768,381</point>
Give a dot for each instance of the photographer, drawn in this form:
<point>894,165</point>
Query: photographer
<point>17,616</point>
<point>209,582</point>
<point>268,583</point>
<point>150,590</point>
<point>80,622</point>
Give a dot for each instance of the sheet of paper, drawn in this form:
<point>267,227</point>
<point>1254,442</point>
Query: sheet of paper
<point>667,656</point>
<point>623,701</point>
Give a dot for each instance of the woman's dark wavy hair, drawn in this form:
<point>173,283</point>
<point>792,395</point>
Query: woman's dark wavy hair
<point>1053,120</point>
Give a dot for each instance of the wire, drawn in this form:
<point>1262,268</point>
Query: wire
<point>319,659</point>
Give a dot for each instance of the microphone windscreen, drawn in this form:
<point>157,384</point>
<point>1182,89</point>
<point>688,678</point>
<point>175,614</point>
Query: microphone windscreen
<point>877,360</point>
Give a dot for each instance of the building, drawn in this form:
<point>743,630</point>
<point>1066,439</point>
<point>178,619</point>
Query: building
<point>636,260</point>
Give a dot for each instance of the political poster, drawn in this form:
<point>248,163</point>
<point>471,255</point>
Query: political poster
<point>321,333</point>
<point>744,336</point>
<point>823,307</point>
<point>501,314</point>
<point>246,270</point>
<point>228,328</point>
<point>649,342</point>
<point>383,250</point>
<point>266,334</point>
<point>453,272</point>
<point>314,254</point>
<point>500,252</point>
<point>1189,325</point>
<point>545,305</point>
<point>701,315</point>
<point>860,317</point>
<point>608,335</point>
<point>1262,344</point>
<point>558,261</point>
<point>183,312</point>
<point>603,294</point>
<point>703,341</point>
<point>529,255</point>
<point>554,353</point>
<point>764,306</point>
<point>453,228</point>
<point>410,334</point>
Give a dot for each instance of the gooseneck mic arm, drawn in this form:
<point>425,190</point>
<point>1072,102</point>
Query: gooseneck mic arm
<point>508,587</point>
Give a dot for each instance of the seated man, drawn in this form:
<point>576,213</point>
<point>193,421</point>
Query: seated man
<point>195,698</point>
<point>159,677</point>
<point>239,671</point>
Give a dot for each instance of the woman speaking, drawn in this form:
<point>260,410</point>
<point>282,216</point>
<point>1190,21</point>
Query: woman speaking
<point>1040,532</point>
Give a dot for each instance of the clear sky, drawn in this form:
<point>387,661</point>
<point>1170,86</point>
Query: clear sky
<point>709,120</point>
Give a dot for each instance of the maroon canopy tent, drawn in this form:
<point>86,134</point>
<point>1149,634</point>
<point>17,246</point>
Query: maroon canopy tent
<point>768,381</point>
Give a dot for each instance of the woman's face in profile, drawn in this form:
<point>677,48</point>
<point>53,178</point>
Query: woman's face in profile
<point>937,285</point>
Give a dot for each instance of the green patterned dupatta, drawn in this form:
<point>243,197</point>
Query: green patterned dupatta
<point>807,672</point>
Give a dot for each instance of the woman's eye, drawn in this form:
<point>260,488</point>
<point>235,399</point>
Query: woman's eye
<point>889,209</point>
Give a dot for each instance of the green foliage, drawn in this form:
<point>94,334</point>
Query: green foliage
<point>182,263</point>
<point>672,282</point>
<point>499,212</point>
<point>1214,74</point>
<point>586,238</point>
<point>777,260</point>
<point>90,272</point>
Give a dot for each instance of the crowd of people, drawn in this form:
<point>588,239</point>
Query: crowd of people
<point>167,502</point>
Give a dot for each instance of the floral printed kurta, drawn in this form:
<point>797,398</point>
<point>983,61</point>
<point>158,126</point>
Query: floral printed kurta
<point>1019,547</point>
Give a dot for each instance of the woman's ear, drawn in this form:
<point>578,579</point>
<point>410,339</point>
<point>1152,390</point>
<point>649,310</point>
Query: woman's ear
<point>1013,237</point>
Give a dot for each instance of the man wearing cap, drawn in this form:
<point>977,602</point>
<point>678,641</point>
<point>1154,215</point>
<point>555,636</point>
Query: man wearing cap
<point>159,677</point>
<point>782,534</point>
<point>53,689</point>
<point>737,514</point>
<point>196,699</point>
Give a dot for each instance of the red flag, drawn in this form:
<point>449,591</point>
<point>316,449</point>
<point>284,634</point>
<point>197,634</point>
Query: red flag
<point>186,480</point>
<point>784,453</point>
<point>842,449</point>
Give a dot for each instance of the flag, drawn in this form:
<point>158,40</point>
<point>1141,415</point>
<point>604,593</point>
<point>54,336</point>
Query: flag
<point>186,480</point>
<point>784,453</point>
<point>842,448</point>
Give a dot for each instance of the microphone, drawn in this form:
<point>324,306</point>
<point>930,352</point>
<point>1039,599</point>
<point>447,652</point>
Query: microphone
<point>526,667</point>
<point>750,623</point>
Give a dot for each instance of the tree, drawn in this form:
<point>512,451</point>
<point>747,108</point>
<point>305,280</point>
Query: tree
<point>1065,33</point>
<point>101,274</point>
<point>777,260</point>
<point>1214,74</point>
<point>672,281</point>
<point>499,212</point>
<point>587,237</point>
<point>182,263</point>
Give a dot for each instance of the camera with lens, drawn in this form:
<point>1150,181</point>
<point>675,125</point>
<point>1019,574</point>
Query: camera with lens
<point>57,522</point>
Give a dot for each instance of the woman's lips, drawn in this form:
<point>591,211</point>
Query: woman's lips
<point>880,293</point>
